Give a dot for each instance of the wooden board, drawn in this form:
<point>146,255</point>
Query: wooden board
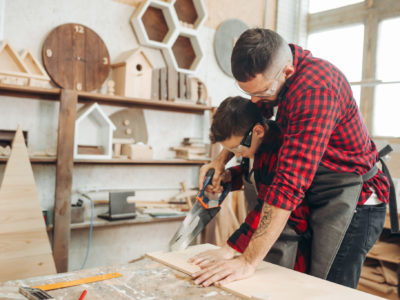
<point>65,165</point>
<point>269,282</point>
<point>25,249</point>
<point>76,57</point>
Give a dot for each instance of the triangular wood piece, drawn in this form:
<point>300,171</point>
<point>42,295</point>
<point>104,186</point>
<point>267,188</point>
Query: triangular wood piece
<point>10,62</point>
<point>269,282</point>
<point>34,67</point>
<point>25,249</point>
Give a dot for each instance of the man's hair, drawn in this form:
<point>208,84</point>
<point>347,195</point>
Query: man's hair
<point>234,116</point>
<point>257,50</point>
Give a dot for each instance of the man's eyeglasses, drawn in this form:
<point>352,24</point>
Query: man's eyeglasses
<point>271,91</point>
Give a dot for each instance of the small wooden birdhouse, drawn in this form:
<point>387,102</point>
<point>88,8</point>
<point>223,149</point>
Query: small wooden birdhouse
<point>132,71</point>
<point>93,133</point>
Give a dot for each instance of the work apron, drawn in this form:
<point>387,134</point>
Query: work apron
<point>283,252</point>
<point>332,198</point>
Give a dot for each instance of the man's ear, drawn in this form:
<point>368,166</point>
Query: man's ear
<point>259,131</point>
<point>288,71</point>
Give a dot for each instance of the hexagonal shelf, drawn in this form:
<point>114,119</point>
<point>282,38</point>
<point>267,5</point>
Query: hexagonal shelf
<point>155,23</point>
<point>191,13</point>
<point>185,53</point>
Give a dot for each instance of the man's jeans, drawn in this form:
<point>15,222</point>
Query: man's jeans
<point>364,230</point>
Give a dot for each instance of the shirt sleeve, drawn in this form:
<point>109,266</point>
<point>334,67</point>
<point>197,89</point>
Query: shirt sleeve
<point>311,119</point>
<point>236,173</point>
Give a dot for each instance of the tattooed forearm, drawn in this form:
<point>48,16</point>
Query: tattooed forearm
<point>265,221</point>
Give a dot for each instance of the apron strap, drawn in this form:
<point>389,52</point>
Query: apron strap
<point>394,220</point>
<point>371,173</point>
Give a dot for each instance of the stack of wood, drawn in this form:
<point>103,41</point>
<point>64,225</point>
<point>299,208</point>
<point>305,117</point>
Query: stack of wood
<point>379,278</point>
<point>192,149</point>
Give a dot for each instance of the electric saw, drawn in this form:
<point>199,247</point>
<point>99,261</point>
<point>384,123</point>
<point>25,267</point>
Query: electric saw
<point>199,216</point>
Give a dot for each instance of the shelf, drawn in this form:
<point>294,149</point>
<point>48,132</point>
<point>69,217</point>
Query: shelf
<point>30,92</point>
<point>140,219</point>
<point>53,160</point>
<point>86,97</point>
<point>385,251</point>
<point>142,162</point>
<point>35,160</point>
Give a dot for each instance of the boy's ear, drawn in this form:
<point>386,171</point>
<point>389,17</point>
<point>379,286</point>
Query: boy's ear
<point>259,131</point>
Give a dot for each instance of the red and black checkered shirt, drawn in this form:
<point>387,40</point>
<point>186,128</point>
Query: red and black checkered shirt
<point>321,124</point>
<point>264,167</point>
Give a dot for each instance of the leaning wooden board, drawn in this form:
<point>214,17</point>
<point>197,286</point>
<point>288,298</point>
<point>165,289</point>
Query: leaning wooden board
<point>269,282</point>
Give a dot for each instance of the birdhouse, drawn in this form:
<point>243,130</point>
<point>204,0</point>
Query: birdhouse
<point>132,71</point>
<point>93,133</point>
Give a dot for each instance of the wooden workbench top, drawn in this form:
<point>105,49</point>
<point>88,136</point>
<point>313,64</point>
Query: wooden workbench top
<point>144,279</point>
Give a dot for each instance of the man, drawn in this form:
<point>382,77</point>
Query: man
<point>323,133</point>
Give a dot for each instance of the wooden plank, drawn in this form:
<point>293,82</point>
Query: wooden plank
<point>163,84</point>
<point>25,249</point>
<point>182,86</point>
<point>385,251</point>
<point>269,282</point>
<point>155,84</point>
<point>172,83</point>
<point>65,163</point>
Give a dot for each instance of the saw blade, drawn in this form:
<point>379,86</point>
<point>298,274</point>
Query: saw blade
<point>191,226</point>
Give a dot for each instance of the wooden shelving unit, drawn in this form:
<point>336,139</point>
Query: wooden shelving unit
<point>53,160</point>
<point>143,219</point>
<point>85,97</point>
<point>64,161</point>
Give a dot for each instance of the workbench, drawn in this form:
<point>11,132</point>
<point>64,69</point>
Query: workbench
<point>143,279</point>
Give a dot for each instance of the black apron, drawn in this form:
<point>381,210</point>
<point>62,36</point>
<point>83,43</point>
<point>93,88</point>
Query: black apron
<point>332,198</point>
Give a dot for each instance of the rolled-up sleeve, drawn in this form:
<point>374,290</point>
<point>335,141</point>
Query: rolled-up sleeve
<point>311,119</point>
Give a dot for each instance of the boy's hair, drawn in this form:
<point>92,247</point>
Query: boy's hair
<point>257,50</point>
<point>234,116</point>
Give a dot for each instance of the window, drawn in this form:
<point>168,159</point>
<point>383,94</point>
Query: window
<point>359,38</point>
<point>386,121</point>
<point>318,5</point>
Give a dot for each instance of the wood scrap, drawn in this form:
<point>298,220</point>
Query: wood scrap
<point>25,250</point>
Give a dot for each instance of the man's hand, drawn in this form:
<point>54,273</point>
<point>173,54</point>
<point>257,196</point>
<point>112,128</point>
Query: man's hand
<point>224,272</point>
<point>208,258</point>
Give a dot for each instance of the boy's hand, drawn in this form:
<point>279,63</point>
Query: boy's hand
<point>208,258</point>
<point>219,165</point>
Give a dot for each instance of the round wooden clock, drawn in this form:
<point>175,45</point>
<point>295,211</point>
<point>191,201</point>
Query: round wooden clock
<point>76,57</point>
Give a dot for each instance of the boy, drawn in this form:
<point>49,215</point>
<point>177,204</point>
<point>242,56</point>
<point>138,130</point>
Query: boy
<point>240,128</point>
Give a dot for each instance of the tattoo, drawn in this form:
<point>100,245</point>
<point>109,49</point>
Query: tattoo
<point>265,221</point>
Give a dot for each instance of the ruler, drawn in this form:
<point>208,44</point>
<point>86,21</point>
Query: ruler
<point>60,285</point>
